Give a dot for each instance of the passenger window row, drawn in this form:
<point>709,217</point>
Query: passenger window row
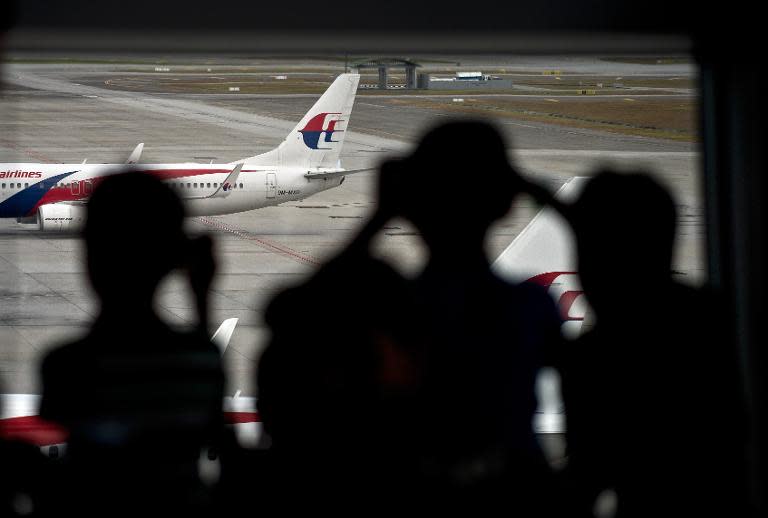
<point>176,185</point>
<point>181,185</point>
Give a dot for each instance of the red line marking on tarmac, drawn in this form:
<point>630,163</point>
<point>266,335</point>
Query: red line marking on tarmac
<point>38,156</point>
<point>275,247</point>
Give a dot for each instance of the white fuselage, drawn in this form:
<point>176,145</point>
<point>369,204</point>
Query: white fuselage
<point>24,188</point>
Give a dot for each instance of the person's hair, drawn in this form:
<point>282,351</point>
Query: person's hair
<point>460,165</point>
<point>630,213</point>
<point>133,232</point>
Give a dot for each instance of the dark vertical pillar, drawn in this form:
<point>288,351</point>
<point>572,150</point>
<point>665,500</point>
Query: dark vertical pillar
<point>382,77</point>
<point>735,132</point>
<point>410,76</point>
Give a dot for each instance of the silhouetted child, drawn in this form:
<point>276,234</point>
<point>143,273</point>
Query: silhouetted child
<point>140,400</point>
<point>651,395</point>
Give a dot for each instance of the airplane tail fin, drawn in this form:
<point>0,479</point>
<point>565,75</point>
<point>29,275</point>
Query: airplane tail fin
<point>317,139</point>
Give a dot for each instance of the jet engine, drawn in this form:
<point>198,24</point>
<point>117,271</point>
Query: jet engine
<point>60,217</point>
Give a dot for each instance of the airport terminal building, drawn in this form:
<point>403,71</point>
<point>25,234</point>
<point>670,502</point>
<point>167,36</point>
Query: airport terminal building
<point>464,81</point>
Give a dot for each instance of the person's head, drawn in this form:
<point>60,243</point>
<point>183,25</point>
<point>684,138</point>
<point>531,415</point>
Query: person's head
<point>133,236</point>
<point>457,182</point>
<point>625,230</point>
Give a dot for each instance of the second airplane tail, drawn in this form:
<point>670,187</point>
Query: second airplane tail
<point>317,139</point>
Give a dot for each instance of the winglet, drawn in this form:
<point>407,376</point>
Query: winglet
<point>226,186</point>
<point>135,154</point>
<point>223,334</point>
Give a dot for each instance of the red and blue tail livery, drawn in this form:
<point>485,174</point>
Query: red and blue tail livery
<point>322,123</point>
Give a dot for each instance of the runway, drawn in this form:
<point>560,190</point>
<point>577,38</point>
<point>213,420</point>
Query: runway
<point>50,114</point>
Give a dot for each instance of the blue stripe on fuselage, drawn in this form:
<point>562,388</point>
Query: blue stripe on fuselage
<point>20,204</point>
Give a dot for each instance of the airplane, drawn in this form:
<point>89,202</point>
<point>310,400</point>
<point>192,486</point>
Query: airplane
<point>54,196</point>
<point>544,253</point>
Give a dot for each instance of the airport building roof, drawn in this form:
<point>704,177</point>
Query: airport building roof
<point>386,62</point>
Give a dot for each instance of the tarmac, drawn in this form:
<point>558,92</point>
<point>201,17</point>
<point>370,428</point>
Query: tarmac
<point>54,113</point>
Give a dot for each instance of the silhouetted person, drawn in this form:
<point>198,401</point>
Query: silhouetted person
<point>378,390</point>
<point>484,339</point>
<point>140,400</point>
<point>333,385</point>
<point>650,391</point>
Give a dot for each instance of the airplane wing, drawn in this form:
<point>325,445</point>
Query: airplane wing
<point>135,154</point>
<point>334,174</point>
<point>545,253</point>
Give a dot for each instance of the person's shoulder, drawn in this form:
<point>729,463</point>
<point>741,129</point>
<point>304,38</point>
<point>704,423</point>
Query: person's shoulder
<point>679,290</point>
<point>530,293</point>
<point>586,341</point>
<point>188,341</point>
<point>179,353</point>
<point>286,303</point>
<point>588,352</point>
<point>338,283</point>
<point>69,353</point>
<point>357,274</point>
<point>531,302</point>
<point>693,302</point>
<point>531,289</point>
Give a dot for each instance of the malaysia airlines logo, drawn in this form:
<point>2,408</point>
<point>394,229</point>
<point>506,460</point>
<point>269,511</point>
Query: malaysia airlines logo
<point>566,289</point>
<point>322,123</point>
